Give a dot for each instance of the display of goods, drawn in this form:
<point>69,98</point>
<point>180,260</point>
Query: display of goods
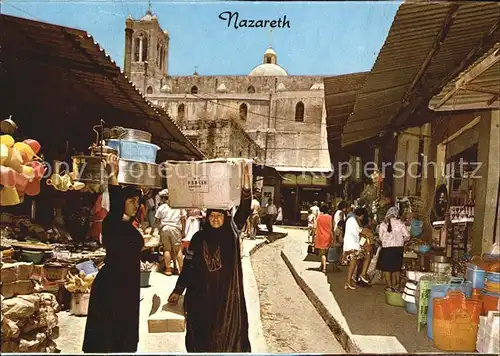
<point>17,174</point>
<point>455,322</point>
<point>79,283</point>
<point>440,291</point>
<point>490,301</point>
<point>135,150</point>
<point>211,184</point>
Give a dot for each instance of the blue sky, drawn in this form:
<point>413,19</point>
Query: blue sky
<point>324,38</point>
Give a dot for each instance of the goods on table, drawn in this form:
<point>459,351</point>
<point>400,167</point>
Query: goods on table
<point>455,322</point>
<point>29,323</point>
<point>211,184</point>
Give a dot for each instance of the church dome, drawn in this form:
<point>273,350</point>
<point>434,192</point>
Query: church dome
<point>269,67</point>
<point>268,70</point>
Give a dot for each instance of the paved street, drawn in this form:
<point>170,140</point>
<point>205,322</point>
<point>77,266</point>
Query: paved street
<point>72,327</point>
<point>360,318</point>
<point>290,321</point>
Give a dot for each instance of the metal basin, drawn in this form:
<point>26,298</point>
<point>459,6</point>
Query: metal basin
<point>139,173</point>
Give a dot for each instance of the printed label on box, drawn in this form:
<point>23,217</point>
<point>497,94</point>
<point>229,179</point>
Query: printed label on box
<point>198,184</point>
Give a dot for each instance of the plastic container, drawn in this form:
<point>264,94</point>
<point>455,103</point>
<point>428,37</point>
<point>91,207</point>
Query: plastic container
<point>32,256</point>
<point>493,277</point>
<point>135,150</point>
<point>80,304</point>
<point>455,322</point>
<point>424,249</point>
<point>411,308</point>
<point>492,287</point>
<point>476,276</point>
<point>490,301</point>
<point>416,228</point>
<point>145,278</point>
<point>394,298</point>
<point>440,291</point>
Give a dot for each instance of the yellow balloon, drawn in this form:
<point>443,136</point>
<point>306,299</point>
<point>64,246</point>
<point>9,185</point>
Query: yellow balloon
<point>22,147</point>
<point>4,153</point>
<point>7,140</point>
<point>9,196</point>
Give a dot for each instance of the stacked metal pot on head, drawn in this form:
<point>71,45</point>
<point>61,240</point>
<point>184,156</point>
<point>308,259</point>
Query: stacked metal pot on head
<point>137,158</point>
<point>137,154</point>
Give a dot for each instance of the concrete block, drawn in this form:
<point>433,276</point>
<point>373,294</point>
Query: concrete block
<point>170,318</point>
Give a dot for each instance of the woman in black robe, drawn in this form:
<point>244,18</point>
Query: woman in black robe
<point>113,315</point>
<point>214,304</point>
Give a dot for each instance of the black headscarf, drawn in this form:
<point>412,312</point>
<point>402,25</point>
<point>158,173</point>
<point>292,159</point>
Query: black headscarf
<point>117,200</point>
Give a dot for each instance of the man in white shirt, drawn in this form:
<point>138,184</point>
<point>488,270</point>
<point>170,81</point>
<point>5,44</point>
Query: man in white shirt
<point>271,212</point>
<point>315,209</point>
<point>172,223</point>
<point>254,219</point>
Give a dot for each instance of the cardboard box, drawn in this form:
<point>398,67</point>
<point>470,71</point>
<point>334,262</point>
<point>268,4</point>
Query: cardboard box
<point>210,184</point>
<point>168,318</point>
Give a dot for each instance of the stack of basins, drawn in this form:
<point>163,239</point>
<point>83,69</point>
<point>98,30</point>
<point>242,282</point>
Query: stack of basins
<point>491,292</point>
<point>137,154</point>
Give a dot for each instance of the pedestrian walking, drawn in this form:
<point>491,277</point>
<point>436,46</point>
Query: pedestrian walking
<point>215,307</point>
<point>172,224</point>
<point>113,314</point>
<point>279,216</point>
<point>324,235</point>
<point>271,212</point>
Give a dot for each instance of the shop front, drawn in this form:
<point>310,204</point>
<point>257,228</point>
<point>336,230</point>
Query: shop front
<point>299,191</point>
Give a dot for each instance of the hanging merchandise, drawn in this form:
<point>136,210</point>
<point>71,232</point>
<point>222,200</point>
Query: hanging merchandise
<point>20,172</point>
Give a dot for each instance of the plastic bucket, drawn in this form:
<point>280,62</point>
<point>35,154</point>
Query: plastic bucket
<point>145,278</point>
<point>135,150</point>
<point>80,303</point>
<point>490,301</point>
<point>416,228</point>
<point>476,276</point>
<point>440,291</point>
<point>411,308</point>
<point>493,277</point>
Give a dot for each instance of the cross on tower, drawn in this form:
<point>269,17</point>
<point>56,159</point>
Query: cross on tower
<point>270,37</point>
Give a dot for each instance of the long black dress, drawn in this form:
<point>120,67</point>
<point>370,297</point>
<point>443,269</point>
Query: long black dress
<point>113,316</point>
<point>216,314</point>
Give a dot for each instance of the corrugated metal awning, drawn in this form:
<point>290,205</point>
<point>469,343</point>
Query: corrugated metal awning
<point>340,95</point>
<point>303,169</point>
<point>60,83</point>
<point>476,88</point>
<point>428,45</point>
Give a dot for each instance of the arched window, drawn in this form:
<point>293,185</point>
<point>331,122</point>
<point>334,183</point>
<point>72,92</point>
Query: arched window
<point>149,90</point>
<point>137,48</point>
<point>251,89</point>
<point>194,89</point>
<point>180,112</point>
<point>299,112</point>
<point>144,49</point>
<point>243,111</point>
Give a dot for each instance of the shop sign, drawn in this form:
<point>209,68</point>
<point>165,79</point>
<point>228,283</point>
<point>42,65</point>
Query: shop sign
<point>290,179</point>
<point>304,179</point>
<point>319,180</point>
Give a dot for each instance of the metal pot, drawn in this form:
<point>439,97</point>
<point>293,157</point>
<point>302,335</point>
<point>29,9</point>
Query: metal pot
<point>440,267</point>
<point>139,173</point>
<point>106,150</point>
<point>121,133</point>
<point>89,169</point>
<point>8,126</point>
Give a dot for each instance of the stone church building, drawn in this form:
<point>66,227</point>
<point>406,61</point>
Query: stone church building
<point>268,115</point>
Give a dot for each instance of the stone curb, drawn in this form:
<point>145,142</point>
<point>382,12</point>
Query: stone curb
<point>343,336</point>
